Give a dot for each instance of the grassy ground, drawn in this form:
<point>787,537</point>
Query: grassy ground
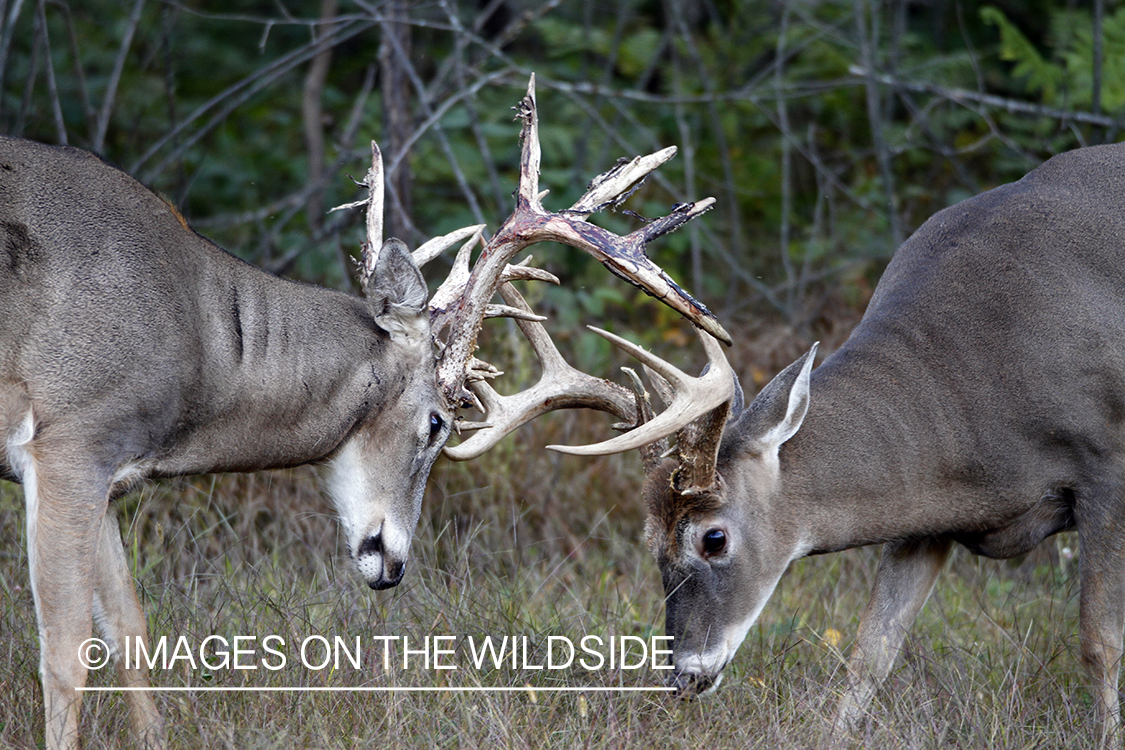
<point>530,544</point>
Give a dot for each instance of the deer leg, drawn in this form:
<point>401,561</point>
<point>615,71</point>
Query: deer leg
<point>1101,606</point>
<point>120,618</point>
<point>906,576</point>
<point>64,516</point>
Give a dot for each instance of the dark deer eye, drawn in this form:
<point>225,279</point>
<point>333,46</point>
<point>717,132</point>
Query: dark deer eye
<point>714,542</point>
<point>436,423</point>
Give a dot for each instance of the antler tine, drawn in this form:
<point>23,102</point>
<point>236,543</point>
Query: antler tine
<point>560,386</point>
<point>694,397</point>
<point>611,188</point>
<point>660,385</point>
<point>373,181</point>
<point>443,305</point>
<point>530,224</point>
<point>653,453</point>
<point>530,153</point>
<point>625,257</point>
<point>434,247</point>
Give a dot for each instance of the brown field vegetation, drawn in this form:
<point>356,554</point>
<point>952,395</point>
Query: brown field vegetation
<point>530,544</point>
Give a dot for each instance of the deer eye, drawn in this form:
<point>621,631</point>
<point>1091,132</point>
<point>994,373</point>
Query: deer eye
<point>436,425</point>
<point>714,542</point>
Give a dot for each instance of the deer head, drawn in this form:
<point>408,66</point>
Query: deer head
<point>379,534</point>
<point>719,560</point>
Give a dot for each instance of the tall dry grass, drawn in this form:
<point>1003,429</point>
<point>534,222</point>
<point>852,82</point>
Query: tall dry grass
<point>530,544</point>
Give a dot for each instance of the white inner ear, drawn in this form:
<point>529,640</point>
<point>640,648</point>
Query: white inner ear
<point>795,412</point>
<point>405,324</point>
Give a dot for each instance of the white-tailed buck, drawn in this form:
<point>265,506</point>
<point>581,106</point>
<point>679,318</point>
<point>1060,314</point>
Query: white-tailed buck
<point>981,401</point>
<point>131,347</point>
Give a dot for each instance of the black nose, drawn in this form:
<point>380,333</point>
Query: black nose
<point>689,685</point>
<point>372,545</point>
<point>392,575</point>
<point>393,570</point>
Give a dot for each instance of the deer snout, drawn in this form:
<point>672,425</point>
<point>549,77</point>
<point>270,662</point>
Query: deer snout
<point>696,674</point>
<point>377,564</point>
<point>692,684</point>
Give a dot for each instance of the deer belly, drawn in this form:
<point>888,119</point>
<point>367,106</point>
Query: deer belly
<point>1050,515</point>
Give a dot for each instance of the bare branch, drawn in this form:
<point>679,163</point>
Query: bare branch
<point>963,96</point>
<point>312,115</point>
<point>6,40</point>
<point>98,144</point>
<point>875,116</point>
<point>233,96</point>
<point>52,86</point>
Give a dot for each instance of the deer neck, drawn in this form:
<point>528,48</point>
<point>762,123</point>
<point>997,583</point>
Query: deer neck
<point>868,462</point>
<point>284,374</point>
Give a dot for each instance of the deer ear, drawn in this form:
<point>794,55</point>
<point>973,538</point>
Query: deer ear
<point>737,402</point>
<point>396,293</point>
<point>777,411</point>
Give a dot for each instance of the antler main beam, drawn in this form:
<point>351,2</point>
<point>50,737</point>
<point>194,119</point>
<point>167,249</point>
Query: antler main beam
<point>560,386</point>
<point>462,316</point>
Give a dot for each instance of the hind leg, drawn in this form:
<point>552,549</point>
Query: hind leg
<point>1102,609</point>
<point>1100,517</point>
<point>119,617</point>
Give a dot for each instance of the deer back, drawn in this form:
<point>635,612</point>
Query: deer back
<point>989,368</point>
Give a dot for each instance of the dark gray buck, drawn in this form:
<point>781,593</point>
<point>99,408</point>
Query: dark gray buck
<point>980,401</point>
<point>131,347</point>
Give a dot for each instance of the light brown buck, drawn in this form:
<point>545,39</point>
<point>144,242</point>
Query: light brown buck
<point>980,401</point>
<point>133,348</point>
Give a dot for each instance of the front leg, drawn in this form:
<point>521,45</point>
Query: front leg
<point>64,517</point>
<point>906,576</point>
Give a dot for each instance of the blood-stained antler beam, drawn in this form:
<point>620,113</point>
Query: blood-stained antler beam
<point>460,319</point>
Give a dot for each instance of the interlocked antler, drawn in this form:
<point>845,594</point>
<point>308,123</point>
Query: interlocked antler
<point>560,387</point>
<point>696,408</point>
<point>464,300</point>
<point>530,223</point>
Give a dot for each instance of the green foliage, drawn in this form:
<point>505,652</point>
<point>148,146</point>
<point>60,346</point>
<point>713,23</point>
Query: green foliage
<point>1014,47</point>
<point>739,87</point>
<point>1065,75</point>
<point>1078,56</point>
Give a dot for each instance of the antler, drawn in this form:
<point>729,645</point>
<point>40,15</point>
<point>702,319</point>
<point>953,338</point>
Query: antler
<point>464,300</point>
<point>698,411</point>
<point>374,182</point>
<point>560,386</point>
<point>530,223</point>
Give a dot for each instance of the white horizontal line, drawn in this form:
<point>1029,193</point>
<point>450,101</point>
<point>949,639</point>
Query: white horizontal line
<point>314,689</point>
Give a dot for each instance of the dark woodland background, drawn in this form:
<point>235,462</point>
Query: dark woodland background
<point>827,131</point>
